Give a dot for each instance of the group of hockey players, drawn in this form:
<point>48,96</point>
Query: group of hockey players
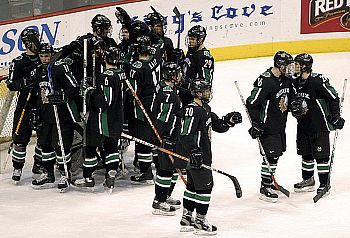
<point>145,87</point>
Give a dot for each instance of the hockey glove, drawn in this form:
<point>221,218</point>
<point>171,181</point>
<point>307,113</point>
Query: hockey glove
<point>256,130</point>
<point>169,144</point>
<point>232,118</point>
<point>196,158</point>
<point>56,98</point>
<point>297,108</point>
<point>336,121</point>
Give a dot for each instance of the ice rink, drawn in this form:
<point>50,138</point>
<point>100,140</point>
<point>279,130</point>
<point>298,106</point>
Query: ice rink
<point>28,213</point>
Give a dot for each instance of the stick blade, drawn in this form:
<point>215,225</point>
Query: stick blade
<point>237,186</point>
<point>176,11</point>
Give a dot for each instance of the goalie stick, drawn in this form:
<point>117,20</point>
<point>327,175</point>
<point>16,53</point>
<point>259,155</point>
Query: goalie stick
<point>326,189</point>
<point>233,178</point>
<point>279,187</point>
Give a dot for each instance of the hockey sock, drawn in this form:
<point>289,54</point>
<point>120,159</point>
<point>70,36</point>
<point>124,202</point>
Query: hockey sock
<point>38,155</point>
<point>163,181</point>
<point>189,200</point>
<point>48,160</point>
<point>308,165</point>
<point>266,178</point>
<point>18,155</point>
<point>323,170</point>
<point>173,183</point>
<point>202,201</point>
<point>60,162</point>
<point>112,161</point>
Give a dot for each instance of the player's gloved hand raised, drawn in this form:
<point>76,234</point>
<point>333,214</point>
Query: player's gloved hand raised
<point>169,144</point>
<point>336,121</point>
<point>196,158</point>
<point>297,109</point>
<point>232,118</point>
<point>56,98</point>
<point>256,130</point>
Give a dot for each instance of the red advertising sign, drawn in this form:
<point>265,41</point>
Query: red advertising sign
<point>321,16</point>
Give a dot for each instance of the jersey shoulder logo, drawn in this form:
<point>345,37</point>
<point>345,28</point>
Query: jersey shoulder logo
<point>137,64</point>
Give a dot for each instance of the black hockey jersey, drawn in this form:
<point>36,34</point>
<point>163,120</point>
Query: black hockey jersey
<point>166,108</point>
<point>108,121</point>
<point>58,78</point>
<point>144,77</point>
<point>20,75</point>
<point>268,101</point>
<point>319,100</point>
<point>196,127</point>
<point>196,64</point>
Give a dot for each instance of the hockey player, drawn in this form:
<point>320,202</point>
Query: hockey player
<point>57,87</point>
<point>268,109</point>
<point>105,121</point>
<point>195,138</point>
<point>198,62</point>
<point>317,111</point>
<point>21,80</point>
<point>144,76</point>
<point>156,21</point>
<point>167,109</point>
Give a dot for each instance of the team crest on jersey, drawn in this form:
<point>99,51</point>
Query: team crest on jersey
<point>137,64</point>
<point>283,104</point>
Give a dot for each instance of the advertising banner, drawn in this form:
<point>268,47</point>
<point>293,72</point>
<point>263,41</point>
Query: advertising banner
<point>322,16</point>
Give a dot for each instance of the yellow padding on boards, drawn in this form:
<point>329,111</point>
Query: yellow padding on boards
<point>292,47</point>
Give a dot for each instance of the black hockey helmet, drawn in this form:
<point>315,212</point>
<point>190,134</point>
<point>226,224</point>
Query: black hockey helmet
<point>45,48</point>
<point>154,18</point>
<point>171,69</point>
<point>282,58</point>
<point>100,21</point>
<point>98,45</point>
<point>28,34</point>
<point>112,56</point>
<point>200,85</point>
<point>139,28</point>
<point>197,31</point>
<point>142,44</point>
<point>30,38</point>
<point>305,61</point>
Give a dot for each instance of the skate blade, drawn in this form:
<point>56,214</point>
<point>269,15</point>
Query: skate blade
<point>44,186</point>
<point>63,190</point>
<point>305,189</point>
<point>85,189</point>
<point>144,182</point>
<point>204,233</point>
<point>162,213</point>
<point>186,229</point>
<point>267,199</point>
<point>16,182</point>
<point>109,190</point>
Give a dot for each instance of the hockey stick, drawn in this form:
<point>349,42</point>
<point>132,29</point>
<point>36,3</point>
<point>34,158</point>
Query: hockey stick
<point>58,125</point>
<point>9,152</point>
<point>84,83</point>
<point>178,15</point>
<point>279,187</point>
<point>233,178</point>
<point>152,125</point>
<point>326,189</point>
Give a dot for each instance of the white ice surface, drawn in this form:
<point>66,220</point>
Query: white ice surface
<point>27,213</point>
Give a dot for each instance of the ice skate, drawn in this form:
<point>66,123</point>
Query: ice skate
<point>109,181</point>
<point>322,187</point>
<point>63,184</point>
<point>307,185</point>
<point>203,227</point>
<point>187,222</point>
<point>45,180</point>
<point>163,209</point>
<point>84,183</point>
<point>37,170</point>
<point>16,175</point>
<point>173,202</point>
<point>143,179</point>
<point>267,194</point>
